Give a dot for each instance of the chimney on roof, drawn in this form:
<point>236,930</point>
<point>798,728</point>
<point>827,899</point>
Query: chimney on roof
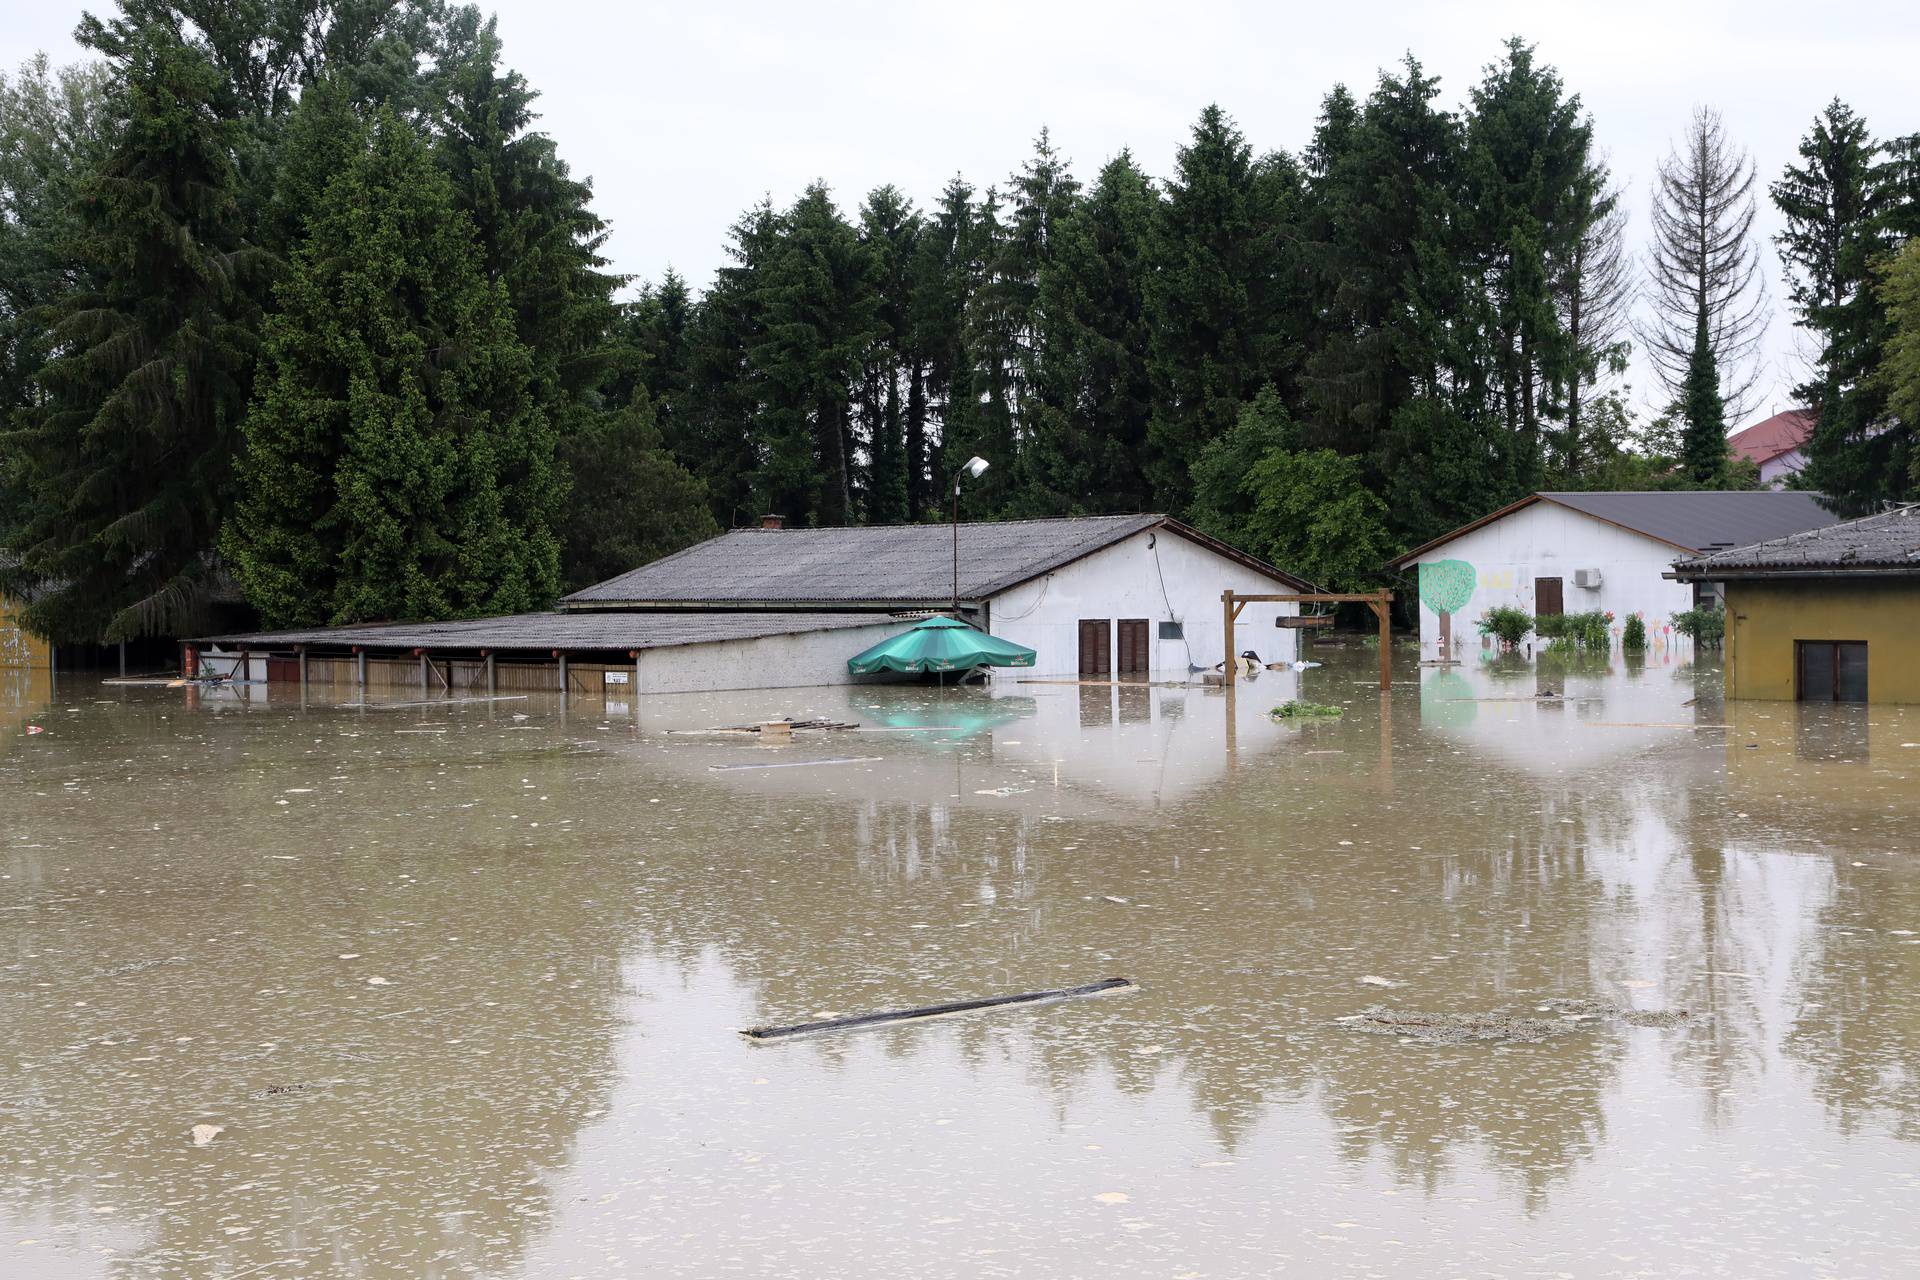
<point>773,522</point>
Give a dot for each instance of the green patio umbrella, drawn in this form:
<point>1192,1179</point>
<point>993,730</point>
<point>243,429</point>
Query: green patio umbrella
<point>940,644</point>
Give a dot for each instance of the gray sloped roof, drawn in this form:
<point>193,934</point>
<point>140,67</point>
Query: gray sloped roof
<point>1884,544</point>
<point>1708,519</point>
<point>1687,520</point>
<point>877,564</point>
<point>544,632</point>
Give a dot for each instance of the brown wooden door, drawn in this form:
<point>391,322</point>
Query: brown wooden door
<point>1548,598</point>
<point>1096,647</point>
<point>1135,658</point>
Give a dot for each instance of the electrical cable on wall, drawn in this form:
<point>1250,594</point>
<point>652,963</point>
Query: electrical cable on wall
<point>1153,545</point>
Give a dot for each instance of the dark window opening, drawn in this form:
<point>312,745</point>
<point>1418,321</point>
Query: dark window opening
<point>1171,631</point>
<point>1830,670</point>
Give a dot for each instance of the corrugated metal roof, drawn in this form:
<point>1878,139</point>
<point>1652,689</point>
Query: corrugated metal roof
<point>885,564</point>
<point>1687,520</point>
<point>1888,543</point>
<point>545,632</point>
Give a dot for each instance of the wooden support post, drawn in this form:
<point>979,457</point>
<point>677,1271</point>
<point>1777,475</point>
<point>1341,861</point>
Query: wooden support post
<point>563,676</point>
<point>1227,614</point>
<point>302,650</point>
<point>360,671</point>
<point>423,670</point>
<point>1383,609</point>
<point>123,659</point>
<point>492,686</point>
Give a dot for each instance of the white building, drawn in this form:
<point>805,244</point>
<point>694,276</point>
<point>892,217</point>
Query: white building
<point>1555,553</point>
<point>1135,596</point>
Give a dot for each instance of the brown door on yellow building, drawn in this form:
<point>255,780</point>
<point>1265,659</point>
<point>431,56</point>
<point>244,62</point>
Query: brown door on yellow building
<point>1830,670</point>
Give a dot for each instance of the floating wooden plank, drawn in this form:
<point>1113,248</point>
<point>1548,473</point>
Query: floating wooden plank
<point>861,1022</point>
<point>1304,621</point>
<point>431,702</point>
<point>792,764</point>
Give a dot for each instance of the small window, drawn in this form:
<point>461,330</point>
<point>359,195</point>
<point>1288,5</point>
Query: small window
<point>1831,670</point>
<point>1171,631</point>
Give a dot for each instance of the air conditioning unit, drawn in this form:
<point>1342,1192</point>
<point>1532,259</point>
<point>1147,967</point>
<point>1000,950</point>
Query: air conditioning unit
<point>1588,579</point>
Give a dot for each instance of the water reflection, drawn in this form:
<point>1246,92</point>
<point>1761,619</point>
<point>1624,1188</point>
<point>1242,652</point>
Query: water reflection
<point>570,915</point>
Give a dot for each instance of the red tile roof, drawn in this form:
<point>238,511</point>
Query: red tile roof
<point>1782,433</point>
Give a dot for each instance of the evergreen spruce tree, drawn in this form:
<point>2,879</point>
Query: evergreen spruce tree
<point>892,382</point>
<point>658,329</point>
<point>123,460</point>
<point>717,428</point>
<point>1526,166</point>
<point>1212,304</point>
<point>1086,445</point>
<point>1703,446</point>
<point>396,466</point>
<point>631,502</point>
<point>1836,204</point>
<point>819,306</point>
<point>946,274</point>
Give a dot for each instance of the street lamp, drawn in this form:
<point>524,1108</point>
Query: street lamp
<point>975,467</point>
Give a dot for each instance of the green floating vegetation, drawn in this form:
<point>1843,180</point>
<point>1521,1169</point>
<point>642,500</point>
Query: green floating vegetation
<point>1304,711</point>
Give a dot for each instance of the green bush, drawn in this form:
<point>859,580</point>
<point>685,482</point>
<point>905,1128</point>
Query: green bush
<point>1580,632</point>
<point>1506,624</point>
<point>1304,711</point>
<point>1703,626</point>
<point>1633,639</point>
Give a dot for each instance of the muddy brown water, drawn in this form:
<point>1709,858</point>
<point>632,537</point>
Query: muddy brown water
<point>461,986</point>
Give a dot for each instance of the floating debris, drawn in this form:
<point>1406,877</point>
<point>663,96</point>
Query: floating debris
<point>1571,1017</point>
<point>793,764</point>
<point>861,1022</point>
<point>204,1134</point>
<point>1297,710</point>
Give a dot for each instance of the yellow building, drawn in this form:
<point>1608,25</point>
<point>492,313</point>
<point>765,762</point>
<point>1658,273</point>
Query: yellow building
<point>1830,615</point>
<point>20,649</point>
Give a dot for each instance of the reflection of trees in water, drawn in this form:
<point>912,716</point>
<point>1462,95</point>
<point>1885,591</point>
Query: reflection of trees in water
<point>398,1131</point>
<point>1247,950</point>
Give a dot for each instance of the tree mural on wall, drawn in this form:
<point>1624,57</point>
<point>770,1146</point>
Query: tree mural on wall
<point>1445,588</point>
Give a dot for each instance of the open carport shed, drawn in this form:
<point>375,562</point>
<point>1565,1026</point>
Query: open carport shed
<point>646,652</point>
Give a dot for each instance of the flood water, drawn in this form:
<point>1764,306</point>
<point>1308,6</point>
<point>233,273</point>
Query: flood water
<point>461,986</point>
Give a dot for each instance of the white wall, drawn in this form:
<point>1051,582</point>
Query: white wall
<point>1775,472</point>
<point>1124,581</point>
<point>1547,540</point>
<point>770,662</point>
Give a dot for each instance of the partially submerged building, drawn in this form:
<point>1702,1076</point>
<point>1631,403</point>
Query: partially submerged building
<point>1102,596</point>
<point>1827,615</point>
<point>1552,553</point>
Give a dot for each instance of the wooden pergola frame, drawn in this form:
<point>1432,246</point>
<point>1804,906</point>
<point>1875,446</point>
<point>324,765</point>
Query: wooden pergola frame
<point>1381,602</point>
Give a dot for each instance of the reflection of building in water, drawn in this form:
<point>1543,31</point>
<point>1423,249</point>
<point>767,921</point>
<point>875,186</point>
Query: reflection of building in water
<point>20,649</point>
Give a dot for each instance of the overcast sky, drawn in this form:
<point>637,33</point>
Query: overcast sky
<point>684,114</point>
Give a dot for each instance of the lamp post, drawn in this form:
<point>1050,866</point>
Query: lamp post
<point>975,467</point>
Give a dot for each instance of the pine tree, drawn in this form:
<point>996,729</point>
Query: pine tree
<point>124,459</point>
<point>533,224</point>
<point>1212,298</point>
<point>1086,445</point>
<point>1703,446</point>
<point>716,434</point>
<point>1703,266</point>
<point>51,129</point>
<point>892,386</point>
<point>631,503</point>
<point>658,328</point>
<point>1835,204</point>
<point>946,272</point>
<point>1526,165</point>
<point>818,306</point>
<point>395,464</point>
